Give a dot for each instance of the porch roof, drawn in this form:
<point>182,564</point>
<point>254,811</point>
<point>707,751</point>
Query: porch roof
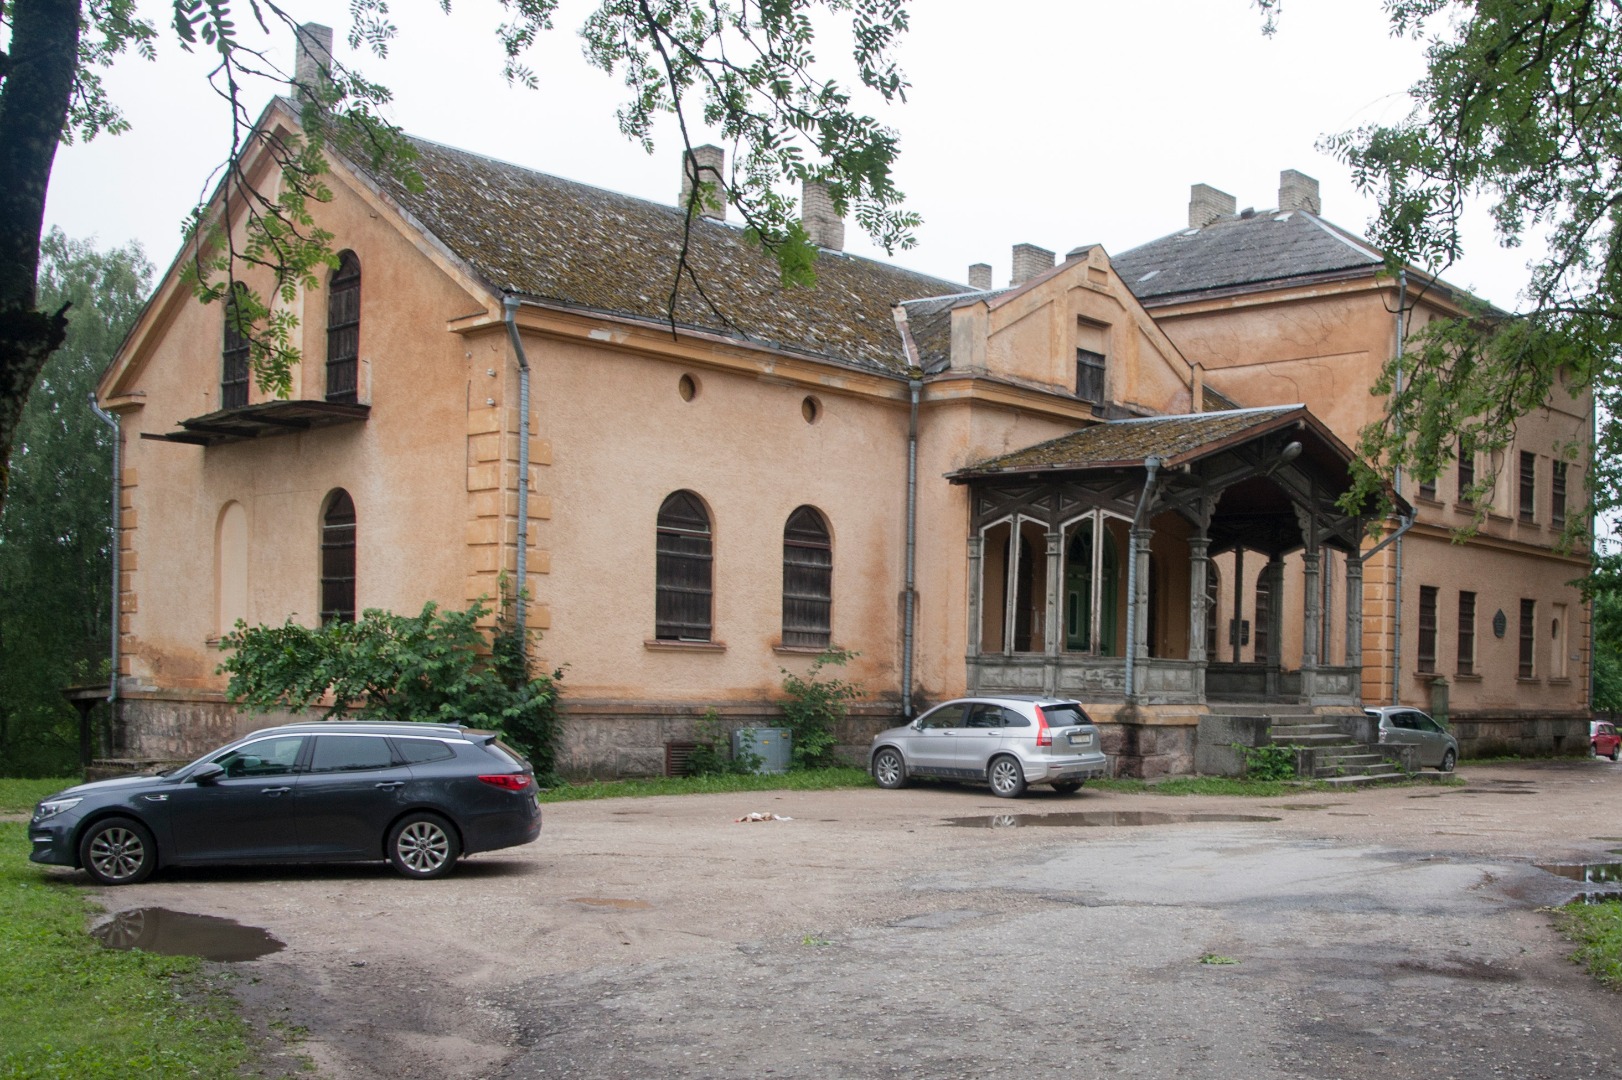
<point>1176,440</point>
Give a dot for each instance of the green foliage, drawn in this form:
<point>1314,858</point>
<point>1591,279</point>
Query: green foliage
<point>710,756</point>
<point>815,707</point>
<point>1212,959</point>
<point>55,535</point>
<point>429,667</point>
<point>69,1007</point>
<point>1269,762</point>
<point>1521,104</point>
<point>800,780</point>
<point>1608,650</point>
<point>1597,929</point>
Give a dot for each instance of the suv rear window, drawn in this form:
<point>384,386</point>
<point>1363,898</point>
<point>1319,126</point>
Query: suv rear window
<point>1068,714</point>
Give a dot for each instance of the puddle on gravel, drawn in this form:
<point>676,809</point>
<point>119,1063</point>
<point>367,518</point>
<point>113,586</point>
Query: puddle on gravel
<point>179,933</point>
<point>1303,806</point>
<point>617,903</point>
<point>1095,819</point>
<point>1590,874</point>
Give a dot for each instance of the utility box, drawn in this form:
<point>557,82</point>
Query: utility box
<point>773,744</point>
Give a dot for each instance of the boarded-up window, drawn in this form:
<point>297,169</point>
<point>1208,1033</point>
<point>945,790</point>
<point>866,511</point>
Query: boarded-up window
<point>234,358</point>
<point>1557,490</point>
<point>1529,614</point>
<point>684,569</point>
<point>338,559</point>
<point>1529,486</point>
<point>343,329</point>
<point>1467,633</point>
<point>1427,628</point>
<point>1089,375</point>
<point>808,569</point>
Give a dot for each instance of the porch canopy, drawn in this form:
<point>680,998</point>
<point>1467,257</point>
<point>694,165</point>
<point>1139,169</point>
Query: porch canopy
<point>1090,556</point>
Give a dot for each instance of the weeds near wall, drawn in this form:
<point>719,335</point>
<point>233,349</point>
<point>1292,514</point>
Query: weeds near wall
<point>815,707</point>
<point>710,755</point>
<point>1270,762</point>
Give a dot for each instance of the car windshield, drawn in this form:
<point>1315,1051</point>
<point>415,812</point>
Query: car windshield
<point>1067,714</point>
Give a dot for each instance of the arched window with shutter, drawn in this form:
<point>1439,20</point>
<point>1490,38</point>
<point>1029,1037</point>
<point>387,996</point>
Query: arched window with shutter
<point>338,559</point>
<point>343,330</point>
<point>683,571</point>
<point>808,567</point>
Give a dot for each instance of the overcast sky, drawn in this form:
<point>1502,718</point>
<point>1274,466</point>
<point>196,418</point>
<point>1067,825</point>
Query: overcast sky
<point>1052,122</point>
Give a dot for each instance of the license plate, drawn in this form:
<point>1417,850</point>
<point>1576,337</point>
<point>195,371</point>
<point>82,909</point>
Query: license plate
<point>1081,740</point>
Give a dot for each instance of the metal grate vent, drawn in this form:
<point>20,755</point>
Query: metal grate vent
<point>676,755</point>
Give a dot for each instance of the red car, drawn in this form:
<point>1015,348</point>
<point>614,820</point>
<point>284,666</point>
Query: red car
<point>1604,740</point>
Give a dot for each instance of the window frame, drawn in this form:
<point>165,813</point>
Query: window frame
<point>235,355</point>
<point>339,574</point>
<point>1425,650</point>
<point>1466,663</point>
<point>343,337</point>
<point>808,592</point>
<point>1527,660</point>
<point>1557,496</point>
<point>1091,375</point>
<point>679,542</point>
<point>1528,486</point>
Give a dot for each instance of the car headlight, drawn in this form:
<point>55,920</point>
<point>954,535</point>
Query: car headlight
<point>52,807</point>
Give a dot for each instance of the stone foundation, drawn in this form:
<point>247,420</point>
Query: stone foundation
<point>1147,751</point>
<point>1496,734</point>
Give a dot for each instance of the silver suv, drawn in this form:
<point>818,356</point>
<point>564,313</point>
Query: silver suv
<point>1007,742</point>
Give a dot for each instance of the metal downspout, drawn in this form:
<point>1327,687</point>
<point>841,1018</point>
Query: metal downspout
<point>118,467</point>
<point>1151,466</point>
<point>1396,641</point>
<point>914,385</point>
<point>509,306</point>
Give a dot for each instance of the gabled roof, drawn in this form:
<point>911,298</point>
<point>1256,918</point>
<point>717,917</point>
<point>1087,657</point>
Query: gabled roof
<point>1265,248</point>
<point>1127,443</point>
<point>560,242</point>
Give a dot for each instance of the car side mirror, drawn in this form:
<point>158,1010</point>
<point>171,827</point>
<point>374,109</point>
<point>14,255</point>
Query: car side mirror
<point>208,773</point>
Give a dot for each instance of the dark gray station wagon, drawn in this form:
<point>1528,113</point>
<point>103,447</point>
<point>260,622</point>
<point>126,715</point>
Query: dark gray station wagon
<point>418,795</point>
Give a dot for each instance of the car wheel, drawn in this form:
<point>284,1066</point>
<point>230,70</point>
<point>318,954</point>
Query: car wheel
<point>118,851</point>
<point>1448,758</point>
<point>1067,787</point>
<point>423,846</point>
<point>1616,751</point>
<point>1006,777</point>
<point>889,769</point>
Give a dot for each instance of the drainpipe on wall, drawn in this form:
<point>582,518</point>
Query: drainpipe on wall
<point>1396,641</point>
<point>915,385</point>
<point>1151,466</point>
<point>509,306</point>
<point>118,466</point>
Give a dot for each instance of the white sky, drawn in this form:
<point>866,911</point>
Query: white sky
<point>1053,122</point>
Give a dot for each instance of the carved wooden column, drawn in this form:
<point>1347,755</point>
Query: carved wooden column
<point>1312,597</point>
<point>1053,622</point>
<point>1354,614</point>
<point>1198,571</point>
<point>1140,605</point>
<point>977,587</point>
<point>1275,625</point>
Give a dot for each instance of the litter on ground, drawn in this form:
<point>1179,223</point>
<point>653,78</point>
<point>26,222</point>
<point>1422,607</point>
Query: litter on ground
<point>757,816</point>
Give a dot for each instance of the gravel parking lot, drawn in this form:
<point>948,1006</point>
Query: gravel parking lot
<point>938,931</point>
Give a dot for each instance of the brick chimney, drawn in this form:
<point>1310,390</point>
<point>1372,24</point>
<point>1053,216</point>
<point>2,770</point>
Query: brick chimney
<point>312,58</point>
<point>1029,261</point>
<point>706,163</point>
<point>1298,191</point>
<point>1206,204</point>
<point>825,228</point>
<point>980,277</point>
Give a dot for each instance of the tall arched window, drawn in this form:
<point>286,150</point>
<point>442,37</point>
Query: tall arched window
<point>808,568</point>
<point>234,356</point>
<point>343,329</point>
<point>683,572</point>
<point>338,559</point>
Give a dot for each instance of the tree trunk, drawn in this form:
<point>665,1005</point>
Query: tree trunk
<point>38,84</point>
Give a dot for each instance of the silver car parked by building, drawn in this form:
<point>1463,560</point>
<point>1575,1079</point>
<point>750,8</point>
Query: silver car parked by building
<point>1400,724</point>
<point>1007,742</point>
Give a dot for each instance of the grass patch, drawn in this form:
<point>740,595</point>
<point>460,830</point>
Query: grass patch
<point>799,780</point>
<point>19,796</point>
<point>1206,785</point>
<point>69,1007</point>
<point>1597,930</point>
